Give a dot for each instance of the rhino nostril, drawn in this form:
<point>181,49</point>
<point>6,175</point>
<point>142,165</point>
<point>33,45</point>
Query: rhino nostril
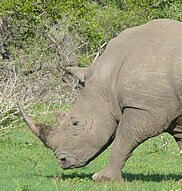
<point>62,160</point>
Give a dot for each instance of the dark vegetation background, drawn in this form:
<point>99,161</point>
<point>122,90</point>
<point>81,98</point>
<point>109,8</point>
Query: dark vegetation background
<point>39,38</point>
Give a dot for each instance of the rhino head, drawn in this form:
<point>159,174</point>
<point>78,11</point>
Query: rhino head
<point>83,133</point>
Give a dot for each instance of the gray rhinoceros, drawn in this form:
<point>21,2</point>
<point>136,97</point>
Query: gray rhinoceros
<point>131,93</point>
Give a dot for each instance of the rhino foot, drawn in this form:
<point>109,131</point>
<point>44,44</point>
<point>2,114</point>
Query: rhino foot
<point>108,174</point>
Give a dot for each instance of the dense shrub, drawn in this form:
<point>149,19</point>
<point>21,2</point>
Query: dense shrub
<point>85,18</point>
<point>94,21</point>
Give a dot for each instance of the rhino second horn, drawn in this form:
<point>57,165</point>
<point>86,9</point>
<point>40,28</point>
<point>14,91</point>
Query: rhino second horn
<point>29,121</point>
<point>60,116</point>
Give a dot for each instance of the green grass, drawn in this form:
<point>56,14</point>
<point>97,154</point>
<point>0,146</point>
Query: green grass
<point>26,165</point>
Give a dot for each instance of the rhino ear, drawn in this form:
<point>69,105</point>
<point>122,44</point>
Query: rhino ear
<point>60,116</point>
<point>77,72</point>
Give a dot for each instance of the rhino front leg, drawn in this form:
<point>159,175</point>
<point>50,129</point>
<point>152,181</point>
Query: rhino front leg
<point>135,127</point>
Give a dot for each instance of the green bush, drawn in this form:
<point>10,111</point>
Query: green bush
<point>95,21</point>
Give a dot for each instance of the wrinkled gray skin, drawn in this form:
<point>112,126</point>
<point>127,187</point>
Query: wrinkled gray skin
<point>130,94</point>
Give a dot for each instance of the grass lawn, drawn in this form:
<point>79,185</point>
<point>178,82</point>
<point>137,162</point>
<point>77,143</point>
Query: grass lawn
<point>26,165</point>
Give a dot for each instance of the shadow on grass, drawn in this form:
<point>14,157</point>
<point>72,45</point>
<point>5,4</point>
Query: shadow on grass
<point>127,177</point>
<point>70,176</point>
<point>151,177</point>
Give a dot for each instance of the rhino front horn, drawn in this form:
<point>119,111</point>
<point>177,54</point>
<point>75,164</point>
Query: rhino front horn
<point>29,121</point>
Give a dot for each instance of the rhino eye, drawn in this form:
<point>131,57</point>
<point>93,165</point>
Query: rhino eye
<point>78,124</point>
<point>75,123</point>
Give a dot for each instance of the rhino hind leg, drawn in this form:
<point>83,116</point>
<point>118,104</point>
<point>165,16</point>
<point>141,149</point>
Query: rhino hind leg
<point>176,132</point>
<point>135,127</point>
<point>179,142</point>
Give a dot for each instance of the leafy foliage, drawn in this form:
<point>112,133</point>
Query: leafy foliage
<point>95,21</point>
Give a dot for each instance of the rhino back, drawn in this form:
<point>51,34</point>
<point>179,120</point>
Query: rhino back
<point>143,66</point>
<point>157,38</point>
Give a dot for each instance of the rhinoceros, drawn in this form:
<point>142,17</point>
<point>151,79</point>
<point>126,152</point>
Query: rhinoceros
<point>131,93</point>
